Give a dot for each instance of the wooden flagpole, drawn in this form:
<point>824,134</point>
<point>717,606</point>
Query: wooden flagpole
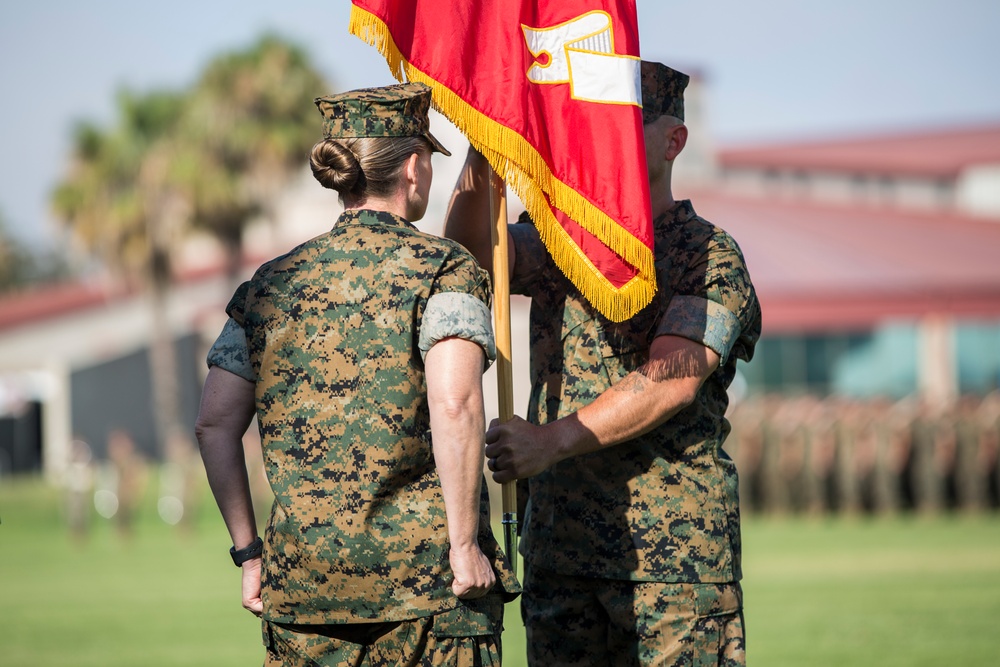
<point>501,327</point>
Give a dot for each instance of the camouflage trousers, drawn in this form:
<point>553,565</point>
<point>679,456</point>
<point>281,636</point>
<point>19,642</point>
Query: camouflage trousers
<point>582,621</point>
<point>411,643</point>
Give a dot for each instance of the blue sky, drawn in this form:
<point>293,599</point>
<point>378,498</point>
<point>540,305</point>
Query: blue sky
<point>775,69</point>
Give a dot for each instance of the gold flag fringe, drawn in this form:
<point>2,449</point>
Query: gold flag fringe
<point>530,177</point>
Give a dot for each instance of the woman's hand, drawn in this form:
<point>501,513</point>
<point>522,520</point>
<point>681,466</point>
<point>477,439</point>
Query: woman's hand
<point>251,586</point>
<point>473,573</point>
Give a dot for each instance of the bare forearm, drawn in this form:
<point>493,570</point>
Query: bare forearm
<point>226,412</point>
<point>227,477</point>
<point>457,424</point>
<point>458,452</point>
<point>639,402</point>
<point>631,408</point>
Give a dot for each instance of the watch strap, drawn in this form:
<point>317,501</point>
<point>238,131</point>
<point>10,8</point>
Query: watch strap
<point>240,556</point>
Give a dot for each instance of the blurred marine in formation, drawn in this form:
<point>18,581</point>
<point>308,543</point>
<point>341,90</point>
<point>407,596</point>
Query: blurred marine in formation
<point>631,536</point>
<point>361,353</point>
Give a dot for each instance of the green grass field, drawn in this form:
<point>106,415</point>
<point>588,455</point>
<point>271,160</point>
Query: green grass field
<point>838,592</point>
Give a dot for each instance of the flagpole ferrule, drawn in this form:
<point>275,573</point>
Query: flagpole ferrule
<point>509,523</point>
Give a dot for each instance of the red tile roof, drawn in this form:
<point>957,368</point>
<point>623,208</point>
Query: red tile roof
<point>828,267</point>
<point>929,153</point>
<point>41,302</point>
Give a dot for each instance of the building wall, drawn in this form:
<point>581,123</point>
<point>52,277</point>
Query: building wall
<point>21,439</point>
<point>117,394</point>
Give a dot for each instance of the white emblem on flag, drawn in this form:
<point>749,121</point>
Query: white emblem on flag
<point>581,52</point>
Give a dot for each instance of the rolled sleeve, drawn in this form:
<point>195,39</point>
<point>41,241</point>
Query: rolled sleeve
<point>457,315</point>
<point>229,351</point>
<point>703,321</point>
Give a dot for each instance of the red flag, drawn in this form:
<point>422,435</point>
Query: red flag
<point>549,93</point>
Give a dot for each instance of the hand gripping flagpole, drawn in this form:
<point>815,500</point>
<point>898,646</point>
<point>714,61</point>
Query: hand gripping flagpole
<point>501,318</point>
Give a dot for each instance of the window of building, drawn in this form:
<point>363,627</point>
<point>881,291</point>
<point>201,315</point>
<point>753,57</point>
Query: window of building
<point>883,362</point>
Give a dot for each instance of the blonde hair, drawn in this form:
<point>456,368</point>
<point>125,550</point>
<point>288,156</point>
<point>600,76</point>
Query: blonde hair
<point>363,167</point>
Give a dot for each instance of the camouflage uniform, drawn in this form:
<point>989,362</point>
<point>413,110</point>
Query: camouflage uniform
<point>662,509</point>
<point>333,334</point>
<point>336,331</point>
<point>423,641</point>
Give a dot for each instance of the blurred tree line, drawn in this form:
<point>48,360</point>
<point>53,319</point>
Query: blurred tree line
<point>210,158</point>
<point>22,266</point>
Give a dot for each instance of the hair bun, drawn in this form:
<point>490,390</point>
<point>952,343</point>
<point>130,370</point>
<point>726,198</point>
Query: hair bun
<point>336,167</point>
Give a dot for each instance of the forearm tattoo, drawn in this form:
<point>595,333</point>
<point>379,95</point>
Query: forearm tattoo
<point>633,383</point>
<point>680,364</point>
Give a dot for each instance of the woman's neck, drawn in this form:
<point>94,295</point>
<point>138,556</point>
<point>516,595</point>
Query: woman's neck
<point>394,204</point>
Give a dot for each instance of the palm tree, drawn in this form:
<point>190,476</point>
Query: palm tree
<point>212,158</point>
<point>123,198</point>
<point>15,262</point>
<point>250,123</point>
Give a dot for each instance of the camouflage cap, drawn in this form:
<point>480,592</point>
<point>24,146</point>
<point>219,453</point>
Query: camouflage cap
<point>389,111</point>
<point>662,91</point>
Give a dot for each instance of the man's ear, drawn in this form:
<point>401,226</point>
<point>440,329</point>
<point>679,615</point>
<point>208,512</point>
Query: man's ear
<point>676,141</point>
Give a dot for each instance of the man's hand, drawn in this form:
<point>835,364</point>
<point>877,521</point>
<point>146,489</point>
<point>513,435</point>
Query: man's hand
<point>517,449</point>
<point>251,586</point>
<point>474,575</point>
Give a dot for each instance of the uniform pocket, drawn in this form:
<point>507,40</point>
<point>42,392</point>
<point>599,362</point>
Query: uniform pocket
<point>717,599</point>
<point>471,618</point>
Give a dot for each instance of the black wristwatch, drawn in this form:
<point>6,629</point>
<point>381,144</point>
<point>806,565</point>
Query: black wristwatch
<point>241,556</point>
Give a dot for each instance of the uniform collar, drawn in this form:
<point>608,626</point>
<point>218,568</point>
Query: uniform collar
<point>669,223</point>
<point>681,211</point>
<point>364,216</point>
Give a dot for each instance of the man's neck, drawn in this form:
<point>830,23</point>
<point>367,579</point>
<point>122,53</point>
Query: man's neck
<point>661,201</point>
<point>661,197</point>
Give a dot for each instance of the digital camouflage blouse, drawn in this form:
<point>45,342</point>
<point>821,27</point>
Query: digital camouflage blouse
<point>336,331</point>
<point>664,506</point>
